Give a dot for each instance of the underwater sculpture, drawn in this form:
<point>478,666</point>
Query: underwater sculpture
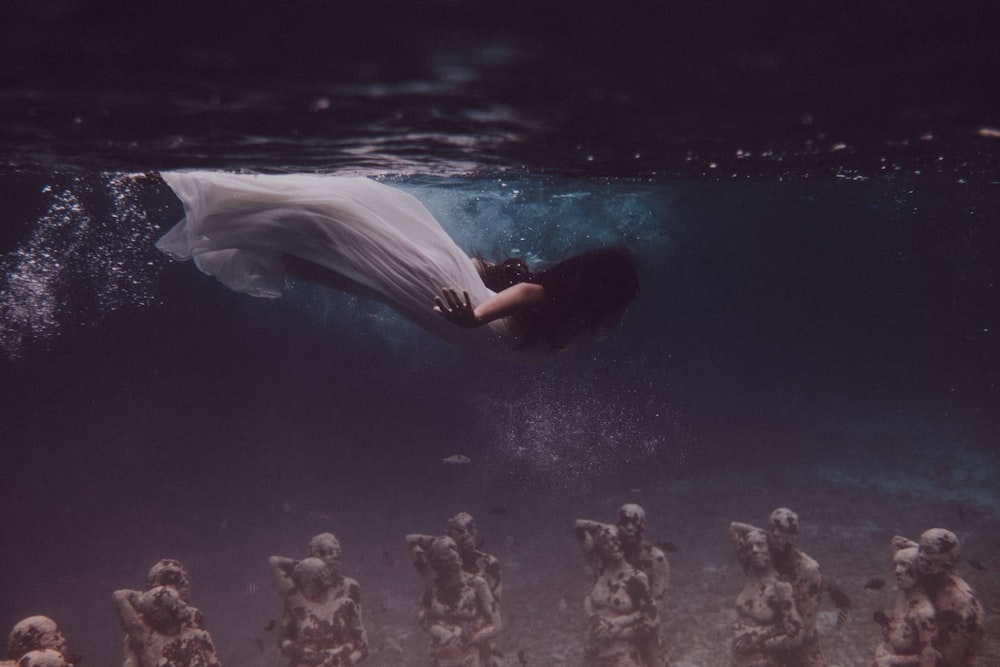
<point>458,610</point>
<point>462,529</point>
<point>768,628</point>
<point>161,629</point>
<point>648,558</point>
<point>322,624</point>
<point>957,610</point>
<point>42,658</point>
<point>909,629</point>
<point>623,619</point>
<point>37,641</point>
<point>367,238</point>
<point>803,573</point>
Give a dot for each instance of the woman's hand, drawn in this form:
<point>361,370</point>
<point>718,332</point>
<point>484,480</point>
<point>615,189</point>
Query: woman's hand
<point>455,310</point>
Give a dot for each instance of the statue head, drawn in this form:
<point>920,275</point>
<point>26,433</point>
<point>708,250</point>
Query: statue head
<point>608,543</point>
<point>326,547</point>
<point>783,530</point>
<point>631,523</point>
<point>443,555</point>
<point>169,572</point>
<point>462,529</point>
<point>162,609</point>
<point>937,551</point>
<point>904,567</point>
<point>753,550</point>
<point>311,576</point>
<point>35,633</point>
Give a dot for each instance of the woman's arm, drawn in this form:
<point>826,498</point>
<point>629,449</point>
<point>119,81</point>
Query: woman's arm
<point>514,299</point>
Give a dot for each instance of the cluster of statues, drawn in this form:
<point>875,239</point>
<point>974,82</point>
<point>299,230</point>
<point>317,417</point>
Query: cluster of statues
<point>935,621</point>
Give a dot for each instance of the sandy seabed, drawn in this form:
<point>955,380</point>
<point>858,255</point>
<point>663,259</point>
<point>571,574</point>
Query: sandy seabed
<point>848,508</point>
<point>848,518</point>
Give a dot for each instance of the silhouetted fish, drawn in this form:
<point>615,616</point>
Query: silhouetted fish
<point>521,658</point>
<point>881,618</point>
<point>498,510</point>
<point>961,513</point>
<point>874,584</point>
<point>976,565</point>
<point>669,547</point>
<point>839,598</point>
<point>271,626</point>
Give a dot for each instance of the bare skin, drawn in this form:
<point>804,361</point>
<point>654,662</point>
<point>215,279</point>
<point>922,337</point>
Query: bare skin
<point>459,310</point>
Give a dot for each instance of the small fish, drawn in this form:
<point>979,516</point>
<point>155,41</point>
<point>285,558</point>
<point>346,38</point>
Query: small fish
<point>874,584</point>
<point>976,565</point>
<point>319,514</point>
<point>839,598</point>
<point>522,658</point>
<point>459,459</point>
<point>500,511</point>
<point>961,513</point>
<point>260,647</point>
<point>669,547</point>
<point>881,618</point>
<point>270,626</point>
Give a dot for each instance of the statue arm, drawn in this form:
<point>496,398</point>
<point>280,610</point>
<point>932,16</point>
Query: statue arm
<point>358,643</point>
<point>491,610</point>
<point>441,632</point>
<point>125,602</point>
<point>788,628</point>
<point>281,573</point>
<point>659,583</point>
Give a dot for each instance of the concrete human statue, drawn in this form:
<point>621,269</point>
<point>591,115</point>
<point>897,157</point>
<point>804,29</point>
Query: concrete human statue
<point>39,637</point>
<point>958,611</point>
<point>162,630</point>
<point>803,573</point>
<point>165,572</point>
<point>461,528</point>
<point>43,658</point>
<point>458,610</point>
<point>909,629</point>
<point>768,629</point>
<point>322,623</point>
<point>623,619</point>
<point>640,553</point>
<point>170,572</point>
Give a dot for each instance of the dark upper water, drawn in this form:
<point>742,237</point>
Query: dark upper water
<point>812,194</point>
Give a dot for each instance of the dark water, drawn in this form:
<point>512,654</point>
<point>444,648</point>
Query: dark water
<point>813,198</point>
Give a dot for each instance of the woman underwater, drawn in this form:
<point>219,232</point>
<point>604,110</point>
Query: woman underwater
<point>364,237</point>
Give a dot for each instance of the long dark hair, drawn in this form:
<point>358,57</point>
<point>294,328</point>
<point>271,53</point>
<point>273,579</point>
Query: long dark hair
<point>593,288</point>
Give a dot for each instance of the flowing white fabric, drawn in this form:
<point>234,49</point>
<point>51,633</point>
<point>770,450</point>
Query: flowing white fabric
<point>239,227</point>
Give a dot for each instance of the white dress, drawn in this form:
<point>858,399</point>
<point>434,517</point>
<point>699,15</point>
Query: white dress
<point>239,227</point>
